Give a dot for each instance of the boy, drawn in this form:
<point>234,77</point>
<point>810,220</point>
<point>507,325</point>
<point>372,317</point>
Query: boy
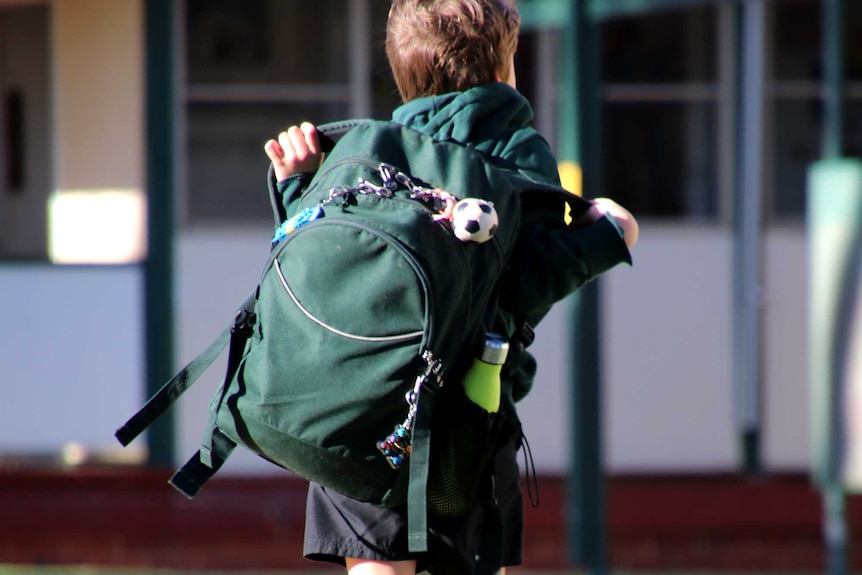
<point>453,62</point>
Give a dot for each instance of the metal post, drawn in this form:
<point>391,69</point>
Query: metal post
<point>832,488</point>
<point>158,267</point>
<point>833,65</point>
<point>835,527</point>
<point>834,225</point>
<point>360,30</point>
<point>747,234</point>
<point>579,144</point>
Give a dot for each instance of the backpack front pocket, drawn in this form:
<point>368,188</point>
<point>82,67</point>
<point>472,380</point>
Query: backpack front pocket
<point>344,314</point>
<point>355,282</point>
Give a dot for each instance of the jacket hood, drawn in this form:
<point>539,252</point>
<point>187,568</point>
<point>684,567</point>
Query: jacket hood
<point>476,115</point>
<point>492,118</point>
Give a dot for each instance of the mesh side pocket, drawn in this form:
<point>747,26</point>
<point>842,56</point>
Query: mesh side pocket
<point>463,443</point>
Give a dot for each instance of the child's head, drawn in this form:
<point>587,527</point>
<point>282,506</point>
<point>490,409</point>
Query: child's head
<point>440,46</point>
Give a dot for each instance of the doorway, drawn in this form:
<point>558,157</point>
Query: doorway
<point>26,158</point>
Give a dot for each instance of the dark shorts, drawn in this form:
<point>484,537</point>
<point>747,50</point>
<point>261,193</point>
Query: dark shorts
<point>337,526</point>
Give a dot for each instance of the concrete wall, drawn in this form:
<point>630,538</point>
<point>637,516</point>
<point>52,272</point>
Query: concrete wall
<point>71,362</point>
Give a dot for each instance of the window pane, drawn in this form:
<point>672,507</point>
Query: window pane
<point>253,69</point>
<point>227,165</point>
<point>384,92</point>
<point>659,159</point>
<point>853,39</point>
<point>267,41</point>
<point>853,129</point>
<point>797,146</point>
<point>26,132</point>
<point>798,136</point>
<point>672,46</point>
<point>797,39</point>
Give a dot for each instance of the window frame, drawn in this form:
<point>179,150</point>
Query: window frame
<point>356,93</point>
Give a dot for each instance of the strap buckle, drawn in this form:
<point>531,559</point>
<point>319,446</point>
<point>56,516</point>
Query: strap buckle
<point>524,336</point>
<point>243,324</point>
<point>431,379</point>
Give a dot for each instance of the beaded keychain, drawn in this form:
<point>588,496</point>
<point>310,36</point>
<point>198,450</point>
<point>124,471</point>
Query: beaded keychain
<point>397,446</point>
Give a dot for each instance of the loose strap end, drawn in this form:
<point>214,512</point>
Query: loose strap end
<point>192,476</point>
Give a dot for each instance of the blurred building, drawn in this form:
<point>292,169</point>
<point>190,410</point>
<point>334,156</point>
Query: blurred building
<point>74,180</point>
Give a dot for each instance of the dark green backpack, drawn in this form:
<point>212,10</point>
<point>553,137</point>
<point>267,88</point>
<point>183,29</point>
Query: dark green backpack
<point>366,316</point>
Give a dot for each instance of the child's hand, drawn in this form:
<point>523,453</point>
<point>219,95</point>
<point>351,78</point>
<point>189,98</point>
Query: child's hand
<point>603,206</point>
<point>297,150</point>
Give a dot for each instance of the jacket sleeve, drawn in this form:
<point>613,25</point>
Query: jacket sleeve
<point>550,264</point>
<point>290,189</point>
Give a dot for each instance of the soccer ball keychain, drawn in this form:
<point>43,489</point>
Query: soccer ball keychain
<point>474,220</point>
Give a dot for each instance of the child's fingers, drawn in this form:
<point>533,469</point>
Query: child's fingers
<point>311,137</point>
<point>298,143</point>
<point>274,151</point>
<point>285,142</point>
<point>297,149</point>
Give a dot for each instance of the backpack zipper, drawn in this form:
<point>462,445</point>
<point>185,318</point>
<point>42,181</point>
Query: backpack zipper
<point>426,334</point>
<point>373,167</point>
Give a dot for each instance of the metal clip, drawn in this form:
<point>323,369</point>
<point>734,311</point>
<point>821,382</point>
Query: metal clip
<point>433,373</point>
<point>389,175</point>
<point>346,196</point>
<point>366,187</point>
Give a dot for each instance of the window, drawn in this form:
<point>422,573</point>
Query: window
<point>660,109</point>
<point>25,132</point>
<point>796,106</point>
<point>257,66</point>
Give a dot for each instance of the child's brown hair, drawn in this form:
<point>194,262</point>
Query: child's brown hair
<point>440,46</point>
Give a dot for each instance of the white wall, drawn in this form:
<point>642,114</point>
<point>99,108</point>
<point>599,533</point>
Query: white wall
<point>71,365</point>
<point>785,364</point>
<point>668,352</point>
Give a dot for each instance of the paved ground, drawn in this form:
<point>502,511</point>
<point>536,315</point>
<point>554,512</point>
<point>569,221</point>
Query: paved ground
<point>77,570</point>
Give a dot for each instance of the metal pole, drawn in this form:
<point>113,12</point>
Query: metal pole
<point>747,234</point>
<point>360,30</point>
<point>579,144</point>
<point>833,66</point>
<point>158,267</point>
<point>835,528</point>
<point>834,224</point>
<point>832,491</point>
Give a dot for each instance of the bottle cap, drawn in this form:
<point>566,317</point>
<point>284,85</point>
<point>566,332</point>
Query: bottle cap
<point>495,350</point>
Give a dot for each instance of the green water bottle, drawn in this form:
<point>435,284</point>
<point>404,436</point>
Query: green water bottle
<point>482,380</point>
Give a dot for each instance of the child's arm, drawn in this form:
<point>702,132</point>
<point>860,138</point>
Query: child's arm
<point>551,262</point>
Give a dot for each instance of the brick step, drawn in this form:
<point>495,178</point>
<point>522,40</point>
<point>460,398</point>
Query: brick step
<point>130,517</point>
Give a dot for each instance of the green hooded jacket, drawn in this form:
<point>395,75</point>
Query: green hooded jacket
<point>549,262</point>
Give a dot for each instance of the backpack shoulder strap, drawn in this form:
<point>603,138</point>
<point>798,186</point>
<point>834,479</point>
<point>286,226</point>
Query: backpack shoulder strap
<point>216,447</point>
<point>184,379</point>
<point>417,486</point>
